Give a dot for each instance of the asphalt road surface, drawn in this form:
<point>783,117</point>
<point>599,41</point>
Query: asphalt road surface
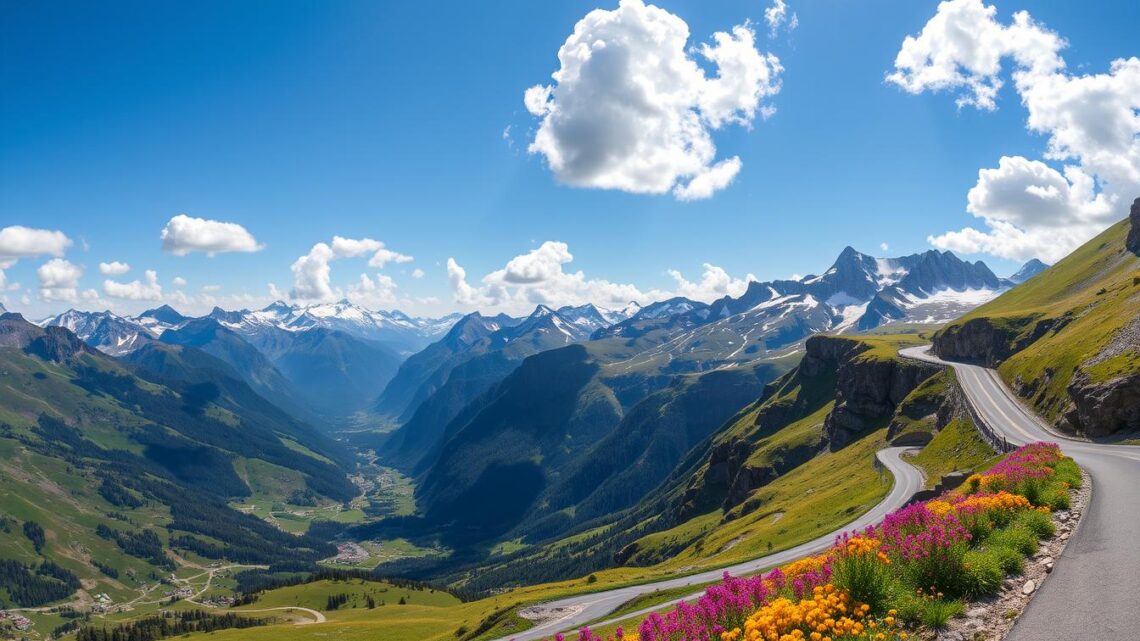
<point>1094,590</point>
<point>573,612</point>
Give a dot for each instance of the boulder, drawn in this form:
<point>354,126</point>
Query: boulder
<point>1101,408</point>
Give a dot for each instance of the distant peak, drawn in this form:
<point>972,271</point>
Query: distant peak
<point>164,313</point>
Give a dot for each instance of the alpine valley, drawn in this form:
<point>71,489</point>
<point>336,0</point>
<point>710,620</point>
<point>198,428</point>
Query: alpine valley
<point>634,320</point>
<point>469,451</point>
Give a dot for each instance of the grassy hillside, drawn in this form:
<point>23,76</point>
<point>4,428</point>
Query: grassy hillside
<point>123,480</point>
<point>1074,325</point>
<point>740,457</point>
<point>818,494</point>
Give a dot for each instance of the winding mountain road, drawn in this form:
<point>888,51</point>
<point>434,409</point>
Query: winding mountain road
<point>1094,590</point>
<point>576,611</point>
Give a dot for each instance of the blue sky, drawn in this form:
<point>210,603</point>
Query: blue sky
<point>301,121</point>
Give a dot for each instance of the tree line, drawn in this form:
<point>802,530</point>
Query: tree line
<point>169,624</point>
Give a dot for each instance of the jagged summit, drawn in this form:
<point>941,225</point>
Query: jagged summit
<point>165,314</point>
<point>1027,271</point>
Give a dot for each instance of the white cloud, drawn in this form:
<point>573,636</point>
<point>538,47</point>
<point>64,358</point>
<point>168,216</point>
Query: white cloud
<point>777,16</point>
<point>417,273</point>
<point>884,247</point>
<point>381,256</point>
<point>715,283</point>
<point>18,241</point>
<point>184,234</point>
<point>384,256</point>
<point>539,276</point>
<point>114,268</point>
<point>352,247</point>
<point>374,292</point>
<point>312,276</point>
<point>178,281</point>
<point>709,181</point>
<point>146,289</point>
<point>1031,208</point>
<point>211,288</point>
<point>59,280</point>
<point>631,109</point>
<point>465,294</point>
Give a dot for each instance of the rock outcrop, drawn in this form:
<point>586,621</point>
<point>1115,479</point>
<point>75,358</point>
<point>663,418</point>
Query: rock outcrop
<point>1102,408</point>
<point>1133,241</point>
<point>50,343</point>
<point>984,341</point>
<point>867,391</point>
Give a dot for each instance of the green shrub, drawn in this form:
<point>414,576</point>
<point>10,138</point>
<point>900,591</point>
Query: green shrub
<point>983,573</point>
<point>1032,489</point>
<point>936,613</point>
<point>1016,538</point>
<point>1009,559</point>
<point>941,571</point>
<point>908,606</point>
<point>1039,523</point>
<point>978,525</point>
<point>1058,500</point>
<point>867,579</point>
<point>1067,471</point>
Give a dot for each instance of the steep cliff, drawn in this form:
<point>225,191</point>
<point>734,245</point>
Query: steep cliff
<point>842,388</point>
<point>868,389</point>
<point>1133,240</point>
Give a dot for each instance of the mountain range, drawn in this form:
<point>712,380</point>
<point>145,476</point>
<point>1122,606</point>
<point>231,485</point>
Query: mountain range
<point>324,362</point>
<point>527,429</point>
<point>495,395</point>
<point>340,362</point>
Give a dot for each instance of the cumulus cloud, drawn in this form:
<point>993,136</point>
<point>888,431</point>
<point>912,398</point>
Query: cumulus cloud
<point>777,16</point>
<point>715,283</point>
<point>384,256</point>
<point>417,273</point>
<point>18,242</point>
<point>1032,208</point>
<point>540,277</point>
<point>59,280</point>
<point>147,289</point>
<point>184,234</point>
<point>114,268</point>
<point>178,281</point>
<point>312,276</point>
<point>631,109</point>
<point>884,247</point>
<point>465,294</point>
<point>374,292</point>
